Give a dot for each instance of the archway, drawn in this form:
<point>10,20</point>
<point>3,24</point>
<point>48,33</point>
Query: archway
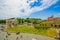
<point>55,25</point>
<point>59,26</point>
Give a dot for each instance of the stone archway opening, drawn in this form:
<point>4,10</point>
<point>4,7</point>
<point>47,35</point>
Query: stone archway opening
<point>51,24</point>
<point>55,25</point>
<point>59,26</point>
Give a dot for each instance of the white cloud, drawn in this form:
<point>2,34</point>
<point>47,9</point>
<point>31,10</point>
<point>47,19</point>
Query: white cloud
<point>45,4</point>
<point>12,8</point>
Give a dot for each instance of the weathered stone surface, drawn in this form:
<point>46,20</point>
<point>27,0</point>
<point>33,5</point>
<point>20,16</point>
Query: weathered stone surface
<point>23,36</point>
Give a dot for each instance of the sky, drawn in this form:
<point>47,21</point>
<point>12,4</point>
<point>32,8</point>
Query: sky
<point>29,8</point>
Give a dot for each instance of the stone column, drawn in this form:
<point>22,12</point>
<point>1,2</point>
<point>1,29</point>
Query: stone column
<point>58,37</point>
<point>59,34</point>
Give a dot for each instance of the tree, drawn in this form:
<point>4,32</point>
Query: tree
<point>19,20</point>
<point>28,20</point>
<point>2,21</point>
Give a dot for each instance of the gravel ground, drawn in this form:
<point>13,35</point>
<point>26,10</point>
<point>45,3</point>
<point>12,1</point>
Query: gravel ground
<point>22,36</point>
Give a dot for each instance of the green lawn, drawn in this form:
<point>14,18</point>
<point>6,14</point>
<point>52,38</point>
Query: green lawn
<point>26,29</point>
<point>32,30</point>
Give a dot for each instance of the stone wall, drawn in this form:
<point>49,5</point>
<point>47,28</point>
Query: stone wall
<point>51,22</point>
<point>11,23</point>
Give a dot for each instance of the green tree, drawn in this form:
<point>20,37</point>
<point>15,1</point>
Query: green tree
<point>2,21</point>
<point>19,20</point>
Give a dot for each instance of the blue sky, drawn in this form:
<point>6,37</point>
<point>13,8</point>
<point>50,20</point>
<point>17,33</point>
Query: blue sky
<point>29,8</point>
<point>52,10</point>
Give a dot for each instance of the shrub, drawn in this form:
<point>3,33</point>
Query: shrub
<point>37,26</point>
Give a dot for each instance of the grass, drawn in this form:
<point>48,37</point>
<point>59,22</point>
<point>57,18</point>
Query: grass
<point>51,33</point>
<point>32,30</point>
<point>26,29</point>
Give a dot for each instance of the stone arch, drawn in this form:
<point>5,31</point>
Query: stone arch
<point>42,24</point>
<point>51,24</point>
<point>45,25</point>
<point>55,25</point>
<point>59,26</point>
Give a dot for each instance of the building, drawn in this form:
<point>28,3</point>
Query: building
<point>11,23</point>
<point>53,19</point>
<point>51,22</point>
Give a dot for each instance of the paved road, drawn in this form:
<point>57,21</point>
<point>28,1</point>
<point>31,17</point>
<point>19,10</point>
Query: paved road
<point>22,36</point>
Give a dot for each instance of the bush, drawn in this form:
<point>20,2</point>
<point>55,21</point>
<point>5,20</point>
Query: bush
<point>37,26</point>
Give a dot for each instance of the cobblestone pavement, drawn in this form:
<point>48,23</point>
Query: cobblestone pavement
<point>22,36</point>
